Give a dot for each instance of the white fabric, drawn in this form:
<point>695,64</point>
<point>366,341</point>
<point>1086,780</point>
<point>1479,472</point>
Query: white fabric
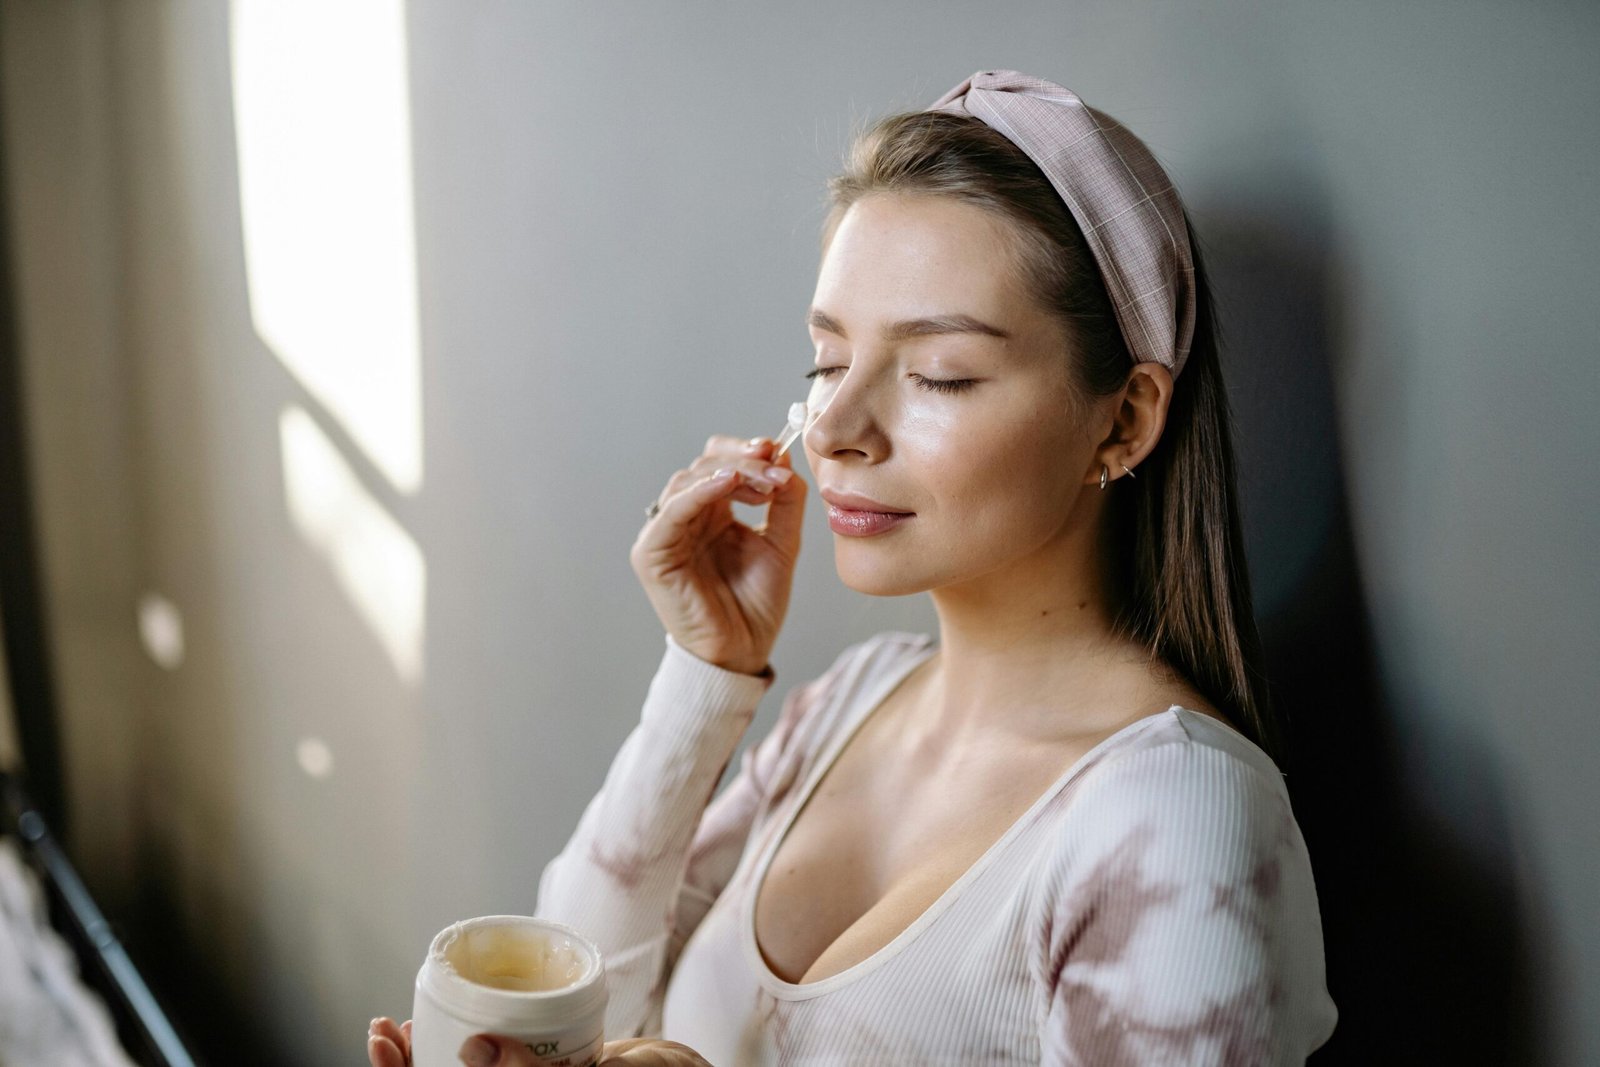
<point>48,1018</point>
<point>1154,906</point>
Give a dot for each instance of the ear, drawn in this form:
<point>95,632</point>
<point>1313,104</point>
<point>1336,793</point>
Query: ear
<point>1139,414</point>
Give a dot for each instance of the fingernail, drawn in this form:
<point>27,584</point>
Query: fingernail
<point>781,475</point>
<point>755,442</point>
<point>480,1053</point>
<point>372,1027</point>
<point>722,474</point>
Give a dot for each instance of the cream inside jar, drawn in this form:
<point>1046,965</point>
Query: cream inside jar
<point>519,958</point>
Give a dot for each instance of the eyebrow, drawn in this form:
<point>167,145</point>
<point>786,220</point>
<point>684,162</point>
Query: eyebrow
<point>900,331</point>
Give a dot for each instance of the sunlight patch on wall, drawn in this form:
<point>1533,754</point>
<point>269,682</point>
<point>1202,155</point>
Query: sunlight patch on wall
<point>161,630</point>
<point>322,118</point>
<point>376,563</point>
<point>314,756</point>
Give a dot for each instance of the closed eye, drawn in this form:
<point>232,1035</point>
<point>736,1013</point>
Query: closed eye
<point>938,385</point>
<point>945,385</point>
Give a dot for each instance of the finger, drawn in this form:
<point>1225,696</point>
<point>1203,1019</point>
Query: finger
<point>721,444</point>
<point>679,480</point>
<point>753,461</point>
<point>381,1052</point>
<point>648,1052</point>
<point>720,450</point>
<point>492,1050</point>
<point>681,507</point>
<point>384,1026</point>
<point>620,1053</point>
<point>748,458</point>
<point>696,472</point>
<point>757,485</point>
<point>759,447</point>
<point>787,510</point>
<point>681,483</point>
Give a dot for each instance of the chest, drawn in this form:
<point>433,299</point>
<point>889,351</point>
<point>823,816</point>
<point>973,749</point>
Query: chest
<point>880,840</point>
<point>955,994</point>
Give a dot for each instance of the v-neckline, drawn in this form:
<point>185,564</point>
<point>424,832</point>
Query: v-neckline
<point>785,990</point>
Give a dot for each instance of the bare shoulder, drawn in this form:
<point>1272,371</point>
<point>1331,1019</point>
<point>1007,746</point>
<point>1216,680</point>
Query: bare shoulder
<point>1173,688</point>
<point>1193,701</point>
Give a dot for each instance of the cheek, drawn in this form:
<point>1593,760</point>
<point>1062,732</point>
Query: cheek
<point>987,461</point>
<point>931,428</point>
<point>998,498</point>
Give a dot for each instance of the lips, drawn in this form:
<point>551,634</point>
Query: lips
<point>863,523</point>
<point>857,502</point>
<point>855,515</point>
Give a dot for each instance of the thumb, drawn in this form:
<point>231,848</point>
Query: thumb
<point>785,510</point>
<point>492,1050</point>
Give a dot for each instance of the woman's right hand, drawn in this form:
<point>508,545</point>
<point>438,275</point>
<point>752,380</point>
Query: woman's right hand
<point>721,588</point>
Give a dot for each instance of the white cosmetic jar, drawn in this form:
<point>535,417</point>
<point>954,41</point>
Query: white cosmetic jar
<point>537,981</point>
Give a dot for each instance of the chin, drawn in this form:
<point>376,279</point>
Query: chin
<point>882,577</point>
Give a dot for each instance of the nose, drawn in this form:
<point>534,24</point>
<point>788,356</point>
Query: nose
<point>848,422</point>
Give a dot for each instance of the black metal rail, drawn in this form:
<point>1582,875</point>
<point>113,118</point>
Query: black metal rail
<point>142,1027</point>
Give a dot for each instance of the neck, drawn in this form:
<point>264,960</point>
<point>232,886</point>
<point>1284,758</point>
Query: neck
<point>1031,648</point>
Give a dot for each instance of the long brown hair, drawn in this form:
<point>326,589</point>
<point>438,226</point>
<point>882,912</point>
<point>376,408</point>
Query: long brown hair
<point>1185,587</point>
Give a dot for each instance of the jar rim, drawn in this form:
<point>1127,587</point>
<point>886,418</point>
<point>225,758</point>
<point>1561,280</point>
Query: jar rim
<point>485,1005</point>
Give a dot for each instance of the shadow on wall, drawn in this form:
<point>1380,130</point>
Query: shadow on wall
<point>184,927</point>
<point>1427,944</point>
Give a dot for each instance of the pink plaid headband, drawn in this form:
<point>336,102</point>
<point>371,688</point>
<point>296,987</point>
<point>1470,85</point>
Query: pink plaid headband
<point>1122,199</point>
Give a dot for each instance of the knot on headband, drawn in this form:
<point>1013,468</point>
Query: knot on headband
<point>1121,198</point>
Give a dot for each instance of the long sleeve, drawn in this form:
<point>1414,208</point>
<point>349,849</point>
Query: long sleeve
<point>649,856</point>
<point>1184,928</point>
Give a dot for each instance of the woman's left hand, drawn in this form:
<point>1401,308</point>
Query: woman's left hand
<point>649,1052</point>
<point>491,1050</point>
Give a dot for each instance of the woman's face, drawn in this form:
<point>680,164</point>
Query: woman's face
<point>915,291</point>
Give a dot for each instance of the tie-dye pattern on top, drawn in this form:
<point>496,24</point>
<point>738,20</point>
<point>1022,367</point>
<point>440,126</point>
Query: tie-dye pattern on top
<point>1155,906</point>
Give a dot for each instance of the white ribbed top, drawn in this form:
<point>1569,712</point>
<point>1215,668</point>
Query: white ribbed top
<point>1155,905</point>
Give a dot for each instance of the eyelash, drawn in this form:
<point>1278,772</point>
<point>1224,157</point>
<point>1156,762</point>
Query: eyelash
<point>937,385</point>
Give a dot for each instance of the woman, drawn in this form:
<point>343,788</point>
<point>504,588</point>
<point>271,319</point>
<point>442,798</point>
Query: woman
<point>1054,835</point>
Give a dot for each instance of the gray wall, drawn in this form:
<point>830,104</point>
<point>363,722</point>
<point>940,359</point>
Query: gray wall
<point>616,209</point>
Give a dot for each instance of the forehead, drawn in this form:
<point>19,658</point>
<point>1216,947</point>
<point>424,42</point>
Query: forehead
<point>893,256</point>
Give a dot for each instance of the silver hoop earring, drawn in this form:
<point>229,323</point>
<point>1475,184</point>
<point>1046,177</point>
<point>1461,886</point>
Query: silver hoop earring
<point>1124,466</point>
<point>1105,474</point>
